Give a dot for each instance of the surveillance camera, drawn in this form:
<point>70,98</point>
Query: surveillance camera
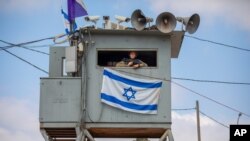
<point>93,19</point>
<point>106,18</point>
<point>122,19</point>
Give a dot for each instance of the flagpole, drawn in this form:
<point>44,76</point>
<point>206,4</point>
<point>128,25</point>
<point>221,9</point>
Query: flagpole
<point>71,12</point>
<point>72,22</point>
<point>71,19</point>
<point>76,8</point>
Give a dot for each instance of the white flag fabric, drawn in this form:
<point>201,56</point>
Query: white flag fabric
<point>130,93</point>
<point>67,22</point>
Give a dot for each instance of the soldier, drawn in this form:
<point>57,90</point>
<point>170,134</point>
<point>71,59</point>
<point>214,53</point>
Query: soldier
<point>132,61</point>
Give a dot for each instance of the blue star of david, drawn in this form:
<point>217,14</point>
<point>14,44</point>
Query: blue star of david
<point>129,93</point>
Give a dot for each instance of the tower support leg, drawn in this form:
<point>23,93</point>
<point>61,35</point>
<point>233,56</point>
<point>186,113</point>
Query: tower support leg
<point>89,136</point>
<point>79,134</point>
<point>167,135</point>
<point>83,135</point>
<point>45,135</point>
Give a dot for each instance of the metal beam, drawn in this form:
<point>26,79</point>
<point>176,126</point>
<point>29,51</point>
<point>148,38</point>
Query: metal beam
<point>86,132</point>
<point>198,120</point>
<point>45,135</point>
<point>167,134</point>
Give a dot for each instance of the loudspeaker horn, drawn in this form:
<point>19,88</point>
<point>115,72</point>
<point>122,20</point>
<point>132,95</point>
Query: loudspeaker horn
<point>139,20</point>
<point>192,23</point>
<point>166,22</point>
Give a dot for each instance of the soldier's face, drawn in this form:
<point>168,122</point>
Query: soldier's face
<point>132,55</point>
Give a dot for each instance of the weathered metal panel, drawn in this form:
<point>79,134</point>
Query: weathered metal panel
<point>99,112</point>
<point>56,61</point>
<point>60,100</point>
<point>71,59</point>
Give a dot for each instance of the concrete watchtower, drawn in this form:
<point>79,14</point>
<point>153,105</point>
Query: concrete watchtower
<point>70,106</point>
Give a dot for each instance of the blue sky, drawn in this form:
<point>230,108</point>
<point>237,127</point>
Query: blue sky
<point>223,21</point>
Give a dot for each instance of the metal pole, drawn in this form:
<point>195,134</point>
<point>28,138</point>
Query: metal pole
<point>72,23</point>
<point>240,114</point>
<point>198,120</point>
<point>44,134</point>
<point>86,132</point>
<point>71,14</point>
<point>167,134</point>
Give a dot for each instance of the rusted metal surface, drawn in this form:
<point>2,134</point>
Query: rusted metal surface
<point>127,132</point>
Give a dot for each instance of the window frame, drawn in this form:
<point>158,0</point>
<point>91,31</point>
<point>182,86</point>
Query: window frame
<point>127,49</point>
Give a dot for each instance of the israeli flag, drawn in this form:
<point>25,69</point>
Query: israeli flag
<point>67,22</point>
<point>130,93</point>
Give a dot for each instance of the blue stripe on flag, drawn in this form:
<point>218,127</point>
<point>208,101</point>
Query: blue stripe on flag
<point>132,82</point>
<point>127,105</point>
<point>67,23</point>
<point>64,15</point>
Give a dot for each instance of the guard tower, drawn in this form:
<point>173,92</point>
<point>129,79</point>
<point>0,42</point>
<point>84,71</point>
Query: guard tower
<point>70,105</point>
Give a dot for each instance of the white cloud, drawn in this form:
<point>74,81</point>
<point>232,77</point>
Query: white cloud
<point>231,11</point>
<point>184,123</point>
<point>184,128</point>
<point>23,5</point>
<point>7,135</point>
<point>18,121</point>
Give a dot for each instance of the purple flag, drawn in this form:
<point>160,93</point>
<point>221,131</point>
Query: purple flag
<point>76,8</point>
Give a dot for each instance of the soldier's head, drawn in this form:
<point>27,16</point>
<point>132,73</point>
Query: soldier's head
<point>132,54</point>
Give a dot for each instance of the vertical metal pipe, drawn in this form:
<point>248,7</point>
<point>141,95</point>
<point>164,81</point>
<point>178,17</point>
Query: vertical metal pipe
<point>198,120</point>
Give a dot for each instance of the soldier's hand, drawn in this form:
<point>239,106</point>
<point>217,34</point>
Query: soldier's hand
<point>136,66</point>
<point>130,64</point>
